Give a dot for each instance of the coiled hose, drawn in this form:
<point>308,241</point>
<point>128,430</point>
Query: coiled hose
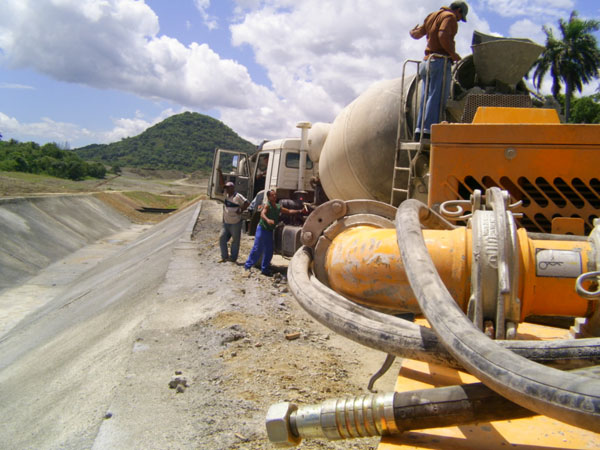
<point>402,338</point>
<point>567,397</point>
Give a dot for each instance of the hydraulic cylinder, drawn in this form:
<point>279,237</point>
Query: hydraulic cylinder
<point>364,264</point>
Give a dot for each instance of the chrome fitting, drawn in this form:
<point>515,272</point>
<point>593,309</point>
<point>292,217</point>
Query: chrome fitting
<point>345,418</point>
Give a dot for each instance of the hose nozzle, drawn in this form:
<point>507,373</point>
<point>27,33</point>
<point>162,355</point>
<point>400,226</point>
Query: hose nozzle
<point>344,418</point>
<point>389,413</point>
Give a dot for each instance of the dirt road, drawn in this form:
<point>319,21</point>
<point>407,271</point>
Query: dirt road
<point>225,331</point>
<point>101,380</point>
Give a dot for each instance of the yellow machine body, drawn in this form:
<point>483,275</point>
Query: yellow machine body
<point>364,264</point>
<point>539,432</point>
<point>547,277</point>
<point>551,167</point>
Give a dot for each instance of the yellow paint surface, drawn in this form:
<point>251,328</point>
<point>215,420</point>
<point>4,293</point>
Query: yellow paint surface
<point>488,114</point>
<point>535,433</point>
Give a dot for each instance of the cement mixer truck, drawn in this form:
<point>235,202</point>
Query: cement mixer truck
<point>487,236</point>
<point>368,151</point>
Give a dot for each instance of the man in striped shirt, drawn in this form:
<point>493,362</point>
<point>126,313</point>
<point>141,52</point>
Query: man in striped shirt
<point>235,203</point>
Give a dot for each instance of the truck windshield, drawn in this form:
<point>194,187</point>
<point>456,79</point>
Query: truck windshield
<point>292,161</point>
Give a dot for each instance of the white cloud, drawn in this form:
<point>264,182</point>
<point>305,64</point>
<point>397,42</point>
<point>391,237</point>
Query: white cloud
<point>527,29</point>
<point>55,131</point>
<point>209,21</point>
<point>318,55</point>
<point>52,131</point>
<point>128,127</point>
<point>114,44</point>
<point>541,9</point>
<point>15,86</point>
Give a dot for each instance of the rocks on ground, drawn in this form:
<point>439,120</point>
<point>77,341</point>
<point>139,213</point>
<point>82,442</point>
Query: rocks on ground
<point>260,349</point>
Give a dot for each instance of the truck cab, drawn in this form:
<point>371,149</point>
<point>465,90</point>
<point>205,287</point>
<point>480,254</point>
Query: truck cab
<point>276,165</point>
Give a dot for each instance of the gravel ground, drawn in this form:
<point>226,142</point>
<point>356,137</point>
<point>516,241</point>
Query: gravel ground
<point>249,362</point>
<point>237,341</point>
<point>226,334</point>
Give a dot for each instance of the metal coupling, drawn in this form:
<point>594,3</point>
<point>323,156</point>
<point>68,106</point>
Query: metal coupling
<point>345,418</point>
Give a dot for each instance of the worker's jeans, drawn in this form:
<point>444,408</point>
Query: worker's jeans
<point>231,231</point>
<point>263,246</point>
<point>434,94</point>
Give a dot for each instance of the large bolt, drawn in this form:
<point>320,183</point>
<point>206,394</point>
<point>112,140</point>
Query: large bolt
<point>279,427</point>
<point>307,237</point>
<point>337,207</point>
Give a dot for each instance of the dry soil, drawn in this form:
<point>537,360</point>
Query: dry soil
<point>210,348</point>
<point>253,346</point>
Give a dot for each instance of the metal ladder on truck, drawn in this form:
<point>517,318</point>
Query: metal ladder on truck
<point>407,153</point>
<point>410,154</point>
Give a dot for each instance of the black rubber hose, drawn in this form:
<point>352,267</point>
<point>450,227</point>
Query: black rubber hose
<point>567,397</point>
<point>405,339</point>
<point>457,405</point>
<point>453,406</point>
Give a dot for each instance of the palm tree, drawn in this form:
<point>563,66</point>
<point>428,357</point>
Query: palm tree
<point>573,60</point>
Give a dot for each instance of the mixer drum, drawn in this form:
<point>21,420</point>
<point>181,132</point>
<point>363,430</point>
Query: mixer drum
<point>358,154</point>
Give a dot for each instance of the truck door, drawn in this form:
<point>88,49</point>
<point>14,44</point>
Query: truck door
<point>289,171</point>
<point>228,165</point>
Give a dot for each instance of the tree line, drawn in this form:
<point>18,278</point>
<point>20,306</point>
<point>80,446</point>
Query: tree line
<point>47,159</point>
<point>572,59</point>
<point>185,141</point>
<point>585,109</point>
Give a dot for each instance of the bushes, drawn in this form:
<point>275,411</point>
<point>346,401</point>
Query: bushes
<point>47,159</point>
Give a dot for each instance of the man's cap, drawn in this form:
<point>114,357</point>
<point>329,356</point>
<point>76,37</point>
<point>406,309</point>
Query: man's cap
<point>464,9</point>
<point>229,184</point>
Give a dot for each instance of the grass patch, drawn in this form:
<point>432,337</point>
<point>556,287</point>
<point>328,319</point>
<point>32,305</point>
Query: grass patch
<point>130,203</point>
<point>15,183</point>
<point>150,200</point>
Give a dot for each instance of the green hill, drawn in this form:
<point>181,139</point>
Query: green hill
<point>184,142</point>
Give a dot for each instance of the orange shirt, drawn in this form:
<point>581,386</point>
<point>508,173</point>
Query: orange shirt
<point>440,27</point>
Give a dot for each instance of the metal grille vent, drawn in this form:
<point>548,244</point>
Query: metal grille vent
<point>474,101</point>
<point>544,199</point>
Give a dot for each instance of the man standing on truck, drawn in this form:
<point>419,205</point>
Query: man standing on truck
<point>263,240</point>
<point>440,27</point>
<point>235,204</point>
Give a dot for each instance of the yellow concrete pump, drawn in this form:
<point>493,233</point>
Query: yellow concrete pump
<point>505,233</point>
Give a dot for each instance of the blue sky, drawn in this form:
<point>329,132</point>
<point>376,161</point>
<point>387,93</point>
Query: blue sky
<point>78,72</point>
